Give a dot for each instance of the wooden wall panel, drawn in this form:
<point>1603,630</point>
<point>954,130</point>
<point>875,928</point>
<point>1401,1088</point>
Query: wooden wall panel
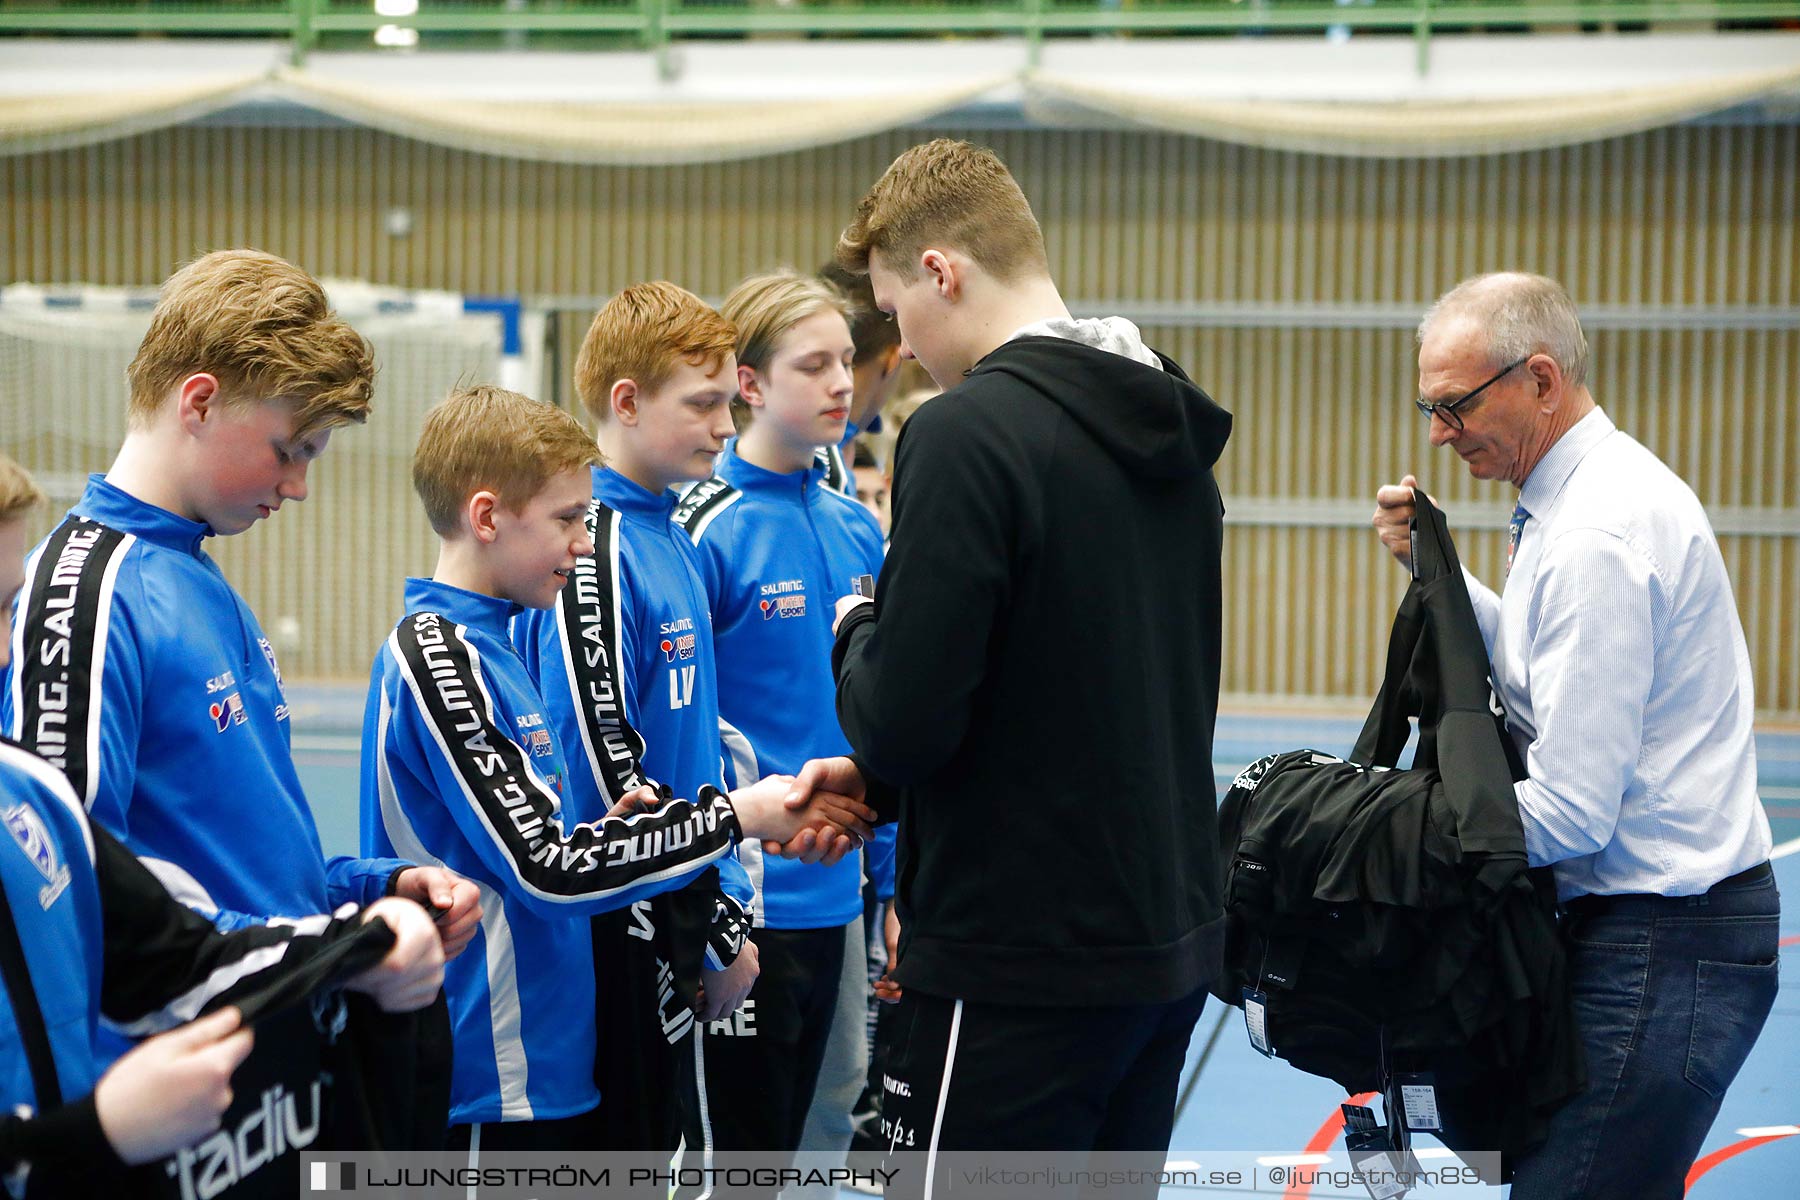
<point>1676,233</point>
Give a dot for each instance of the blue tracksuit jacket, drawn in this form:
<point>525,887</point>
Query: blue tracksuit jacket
<point>47,869</point>
<point>776,553</point>
<point>91,933</point>
<point>625,661</point>
<point>461,767</point>
<point>140,673</point>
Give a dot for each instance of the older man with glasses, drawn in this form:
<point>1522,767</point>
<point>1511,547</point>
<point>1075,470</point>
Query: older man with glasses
<point>1618,655</point>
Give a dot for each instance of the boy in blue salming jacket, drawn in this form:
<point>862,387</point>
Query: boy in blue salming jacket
<point>139,672</point>
<point>461,767</point>
<point>778,545</point>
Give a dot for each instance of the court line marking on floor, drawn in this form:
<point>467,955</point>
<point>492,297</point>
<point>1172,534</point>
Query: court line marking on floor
<point>1718,1156</point>
<point>1320,1141</point>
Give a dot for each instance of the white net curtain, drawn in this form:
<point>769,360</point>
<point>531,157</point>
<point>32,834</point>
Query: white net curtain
<point>662,132</point>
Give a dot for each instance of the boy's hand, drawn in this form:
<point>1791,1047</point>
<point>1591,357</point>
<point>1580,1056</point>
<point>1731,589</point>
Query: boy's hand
<point>722,991</point>
<point>764,811</point>
<point>450,900</point>
<point>837,774</point>
<point>171,1090</point>
<point>637,800</point>
<point>886,990</point>
<point>823,845</point>
<point>820,845</point>
<point>413,972</point>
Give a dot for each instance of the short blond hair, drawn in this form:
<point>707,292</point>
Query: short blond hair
<point>487,438</point>
<point>263,328</point>
<point>19,493</point>
<point>764,307</point>
<point>945,193</point>
<point>640,334</point>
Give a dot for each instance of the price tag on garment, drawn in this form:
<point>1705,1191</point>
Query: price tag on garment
<point>1418,1101</point>
<point>1383,1174</point>
<point>1377,1163</point>
<point>1256,1021</point>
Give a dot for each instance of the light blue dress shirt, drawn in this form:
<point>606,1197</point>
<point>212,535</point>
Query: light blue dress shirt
<point>1619,657</point>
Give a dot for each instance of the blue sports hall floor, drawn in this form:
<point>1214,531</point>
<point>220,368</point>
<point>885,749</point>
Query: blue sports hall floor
<point>1234,1102</point>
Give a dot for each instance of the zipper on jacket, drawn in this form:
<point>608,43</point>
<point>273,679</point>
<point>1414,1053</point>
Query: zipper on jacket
<point>812,526</point>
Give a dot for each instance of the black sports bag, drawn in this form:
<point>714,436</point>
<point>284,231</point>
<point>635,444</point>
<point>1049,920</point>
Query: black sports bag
<point>1385,920</point>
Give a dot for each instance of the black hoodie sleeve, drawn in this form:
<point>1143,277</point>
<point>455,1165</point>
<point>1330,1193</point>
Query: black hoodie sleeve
<point>879,795</point>
<point>908,677</point>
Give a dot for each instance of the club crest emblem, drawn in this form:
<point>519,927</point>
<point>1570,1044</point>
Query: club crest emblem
<point>28,829</point>
<point>269,654</point>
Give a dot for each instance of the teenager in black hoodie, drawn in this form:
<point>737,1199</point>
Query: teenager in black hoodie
<point>1032,693</point>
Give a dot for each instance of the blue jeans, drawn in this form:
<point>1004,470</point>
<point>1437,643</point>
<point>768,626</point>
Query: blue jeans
<point>1670,994</point>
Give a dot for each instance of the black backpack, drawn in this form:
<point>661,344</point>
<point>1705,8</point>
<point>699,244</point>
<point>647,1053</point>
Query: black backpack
<point>1384,923</point>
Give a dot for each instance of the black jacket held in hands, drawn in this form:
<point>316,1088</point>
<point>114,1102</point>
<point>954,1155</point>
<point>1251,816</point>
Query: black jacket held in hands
<point>1039,676</point>
<point>1374,905</point>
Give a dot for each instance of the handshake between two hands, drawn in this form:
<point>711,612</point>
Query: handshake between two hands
<point>817,816</point>
<point>828,796</point>
<point>172,1089</point>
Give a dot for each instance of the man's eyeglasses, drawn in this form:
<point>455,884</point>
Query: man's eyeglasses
<point>1448,409</point>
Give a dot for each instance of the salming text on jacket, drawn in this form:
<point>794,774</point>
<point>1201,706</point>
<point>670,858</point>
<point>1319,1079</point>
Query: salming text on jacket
<point>461,767</point>
<point>140,673</point>
<point>89,932</point>
<point>776,552</point>
<point>625,660</point>
<point>1039,673</point>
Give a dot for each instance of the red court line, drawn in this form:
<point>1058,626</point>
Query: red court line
<point>1327,1134</point>
<point>1720,1155</point>
<point>1334,1124</point>
<point>1789,940</point>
